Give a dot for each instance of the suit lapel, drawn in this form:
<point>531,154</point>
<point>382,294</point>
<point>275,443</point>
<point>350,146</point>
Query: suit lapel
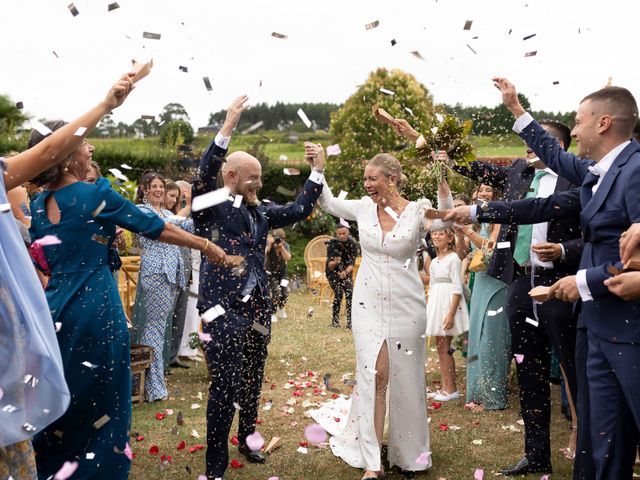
<point>601,194</point>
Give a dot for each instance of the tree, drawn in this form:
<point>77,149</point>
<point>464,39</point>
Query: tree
<point>360,136</point>
<point>11,117</point>
<point>146,128</point>
<point>174,111</point>
<point>176,133</point>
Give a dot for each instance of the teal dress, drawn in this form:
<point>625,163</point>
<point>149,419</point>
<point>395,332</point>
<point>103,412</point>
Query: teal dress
<point>489,347</point>
<point>93,337</point>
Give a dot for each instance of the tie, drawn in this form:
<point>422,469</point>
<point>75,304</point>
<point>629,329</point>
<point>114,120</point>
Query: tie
<point>523,241</point>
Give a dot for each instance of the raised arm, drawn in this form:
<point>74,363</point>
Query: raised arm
<point>205,179</point>
<point>546,147</point>
<point>61,143</point>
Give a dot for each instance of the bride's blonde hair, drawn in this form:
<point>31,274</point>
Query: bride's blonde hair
<point>389,166</point>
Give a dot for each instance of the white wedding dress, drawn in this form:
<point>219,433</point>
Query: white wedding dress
<point>192,319</point>
<point>388,305</point>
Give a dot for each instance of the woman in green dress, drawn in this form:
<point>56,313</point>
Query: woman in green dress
<point>488,355</point>
<point>79,221</point>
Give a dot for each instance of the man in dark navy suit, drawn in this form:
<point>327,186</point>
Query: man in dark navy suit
<point>608,202</point>
<point>234,302</point>
<point>525,257</point>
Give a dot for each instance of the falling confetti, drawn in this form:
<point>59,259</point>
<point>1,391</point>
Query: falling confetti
<point>72,8</point>
<point>467,25</point>
<point>278,35</point>
<point>304,118</point>
<point>372,25</point>
<point>151,36</point>
<point>207,83</point>
<point>255,441</point>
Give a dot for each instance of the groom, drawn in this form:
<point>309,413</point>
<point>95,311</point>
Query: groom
<point>235,305</point>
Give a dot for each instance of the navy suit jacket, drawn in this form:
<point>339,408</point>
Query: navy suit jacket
<point>229,228</point>
<point>514,181</point>
<point>604,216</point>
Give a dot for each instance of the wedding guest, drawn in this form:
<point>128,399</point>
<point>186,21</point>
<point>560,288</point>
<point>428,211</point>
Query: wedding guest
<point>277,255</point>
<point>341,260</point>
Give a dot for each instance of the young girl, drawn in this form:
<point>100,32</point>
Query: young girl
<point>447,313</point>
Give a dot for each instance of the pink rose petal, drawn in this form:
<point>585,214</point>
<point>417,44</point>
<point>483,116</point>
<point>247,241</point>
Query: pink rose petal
<point>519,357</point>
<point>66,471</point>
<point>127,451</point>
<point>205,337</point>
<point>479,474</point>
<point>48,240</point>
<point>315,433</point>
<point>255,441</point>
<point>544,477</point>
<point>423,459</point>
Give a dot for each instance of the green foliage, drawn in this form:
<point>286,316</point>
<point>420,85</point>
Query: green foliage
<point>176,132</point>
<point>281,116</point>
<point>137,153</point>
<point>361,137</point>
<point>172,112</point>
<point>11,117</point>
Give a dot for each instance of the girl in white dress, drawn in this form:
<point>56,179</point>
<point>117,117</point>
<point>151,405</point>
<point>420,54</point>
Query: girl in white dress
<point>447,313</point>
<point>388,322</point>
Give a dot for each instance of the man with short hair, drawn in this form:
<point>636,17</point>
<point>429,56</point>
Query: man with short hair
<point>234,302</point>
<point>608,202</point>
<point>341,260</point>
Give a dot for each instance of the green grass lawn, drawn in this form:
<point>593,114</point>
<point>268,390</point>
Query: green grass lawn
<point>301,344</point>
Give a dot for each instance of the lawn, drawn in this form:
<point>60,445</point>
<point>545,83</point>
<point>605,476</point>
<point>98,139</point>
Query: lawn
<point>301,344</point>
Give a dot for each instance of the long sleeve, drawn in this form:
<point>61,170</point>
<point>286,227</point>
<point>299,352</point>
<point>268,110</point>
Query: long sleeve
<point>122,212</point>
<point>347,209</point>
<point>573,251</point>
<point>532,210</point>
<point>280,216</point>
<point>485,172</point>
<point>212,159</point>
<point>549,150</point>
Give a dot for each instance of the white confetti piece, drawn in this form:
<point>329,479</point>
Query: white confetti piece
<point>89,364</point>
<point>118,174</point>
<point>213,313</point>
<point>253,127</point>
<point>302,450</point>
<point>333,150</point>
<point>48,240</point>
<point>9,409</point>
<point>80,131</point>
<point>344,223</point>
<point>304,118</point>
<point>97,211</point>
<point>503,245</point>
<point>246,298</point>
<point>477,442</point>
<point>439,117</point>
<point>58,326</point>
<point>126,167</point>
<point>531,321</point>
<point>90,456</point>
<point>392,213</point>
<point>41,128</point>
<point>371,25</point>
<point>101,422</point>
<point>388,92</point>
<point>237,201</point>
<point>291,171</point>
<point>195,434</point>
<point>409,111</point>
<point>195,406</point>
<point>5,207</point>
<point>284,283</point>
<point>406,264</point>
<point>210,199</point>
<point>68,468</point>
<point>434,130</point>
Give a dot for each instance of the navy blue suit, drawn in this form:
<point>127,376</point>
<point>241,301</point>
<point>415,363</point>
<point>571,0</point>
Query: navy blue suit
<point>557,324</point>
<point>612,325</point>
<point>237,351</point>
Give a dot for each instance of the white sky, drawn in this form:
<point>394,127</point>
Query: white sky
<point>327,54</point>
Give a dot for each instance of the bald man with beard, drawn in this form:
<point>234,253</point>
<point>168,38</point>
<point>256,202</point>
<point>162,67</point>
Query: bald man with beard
<point>235,303</point>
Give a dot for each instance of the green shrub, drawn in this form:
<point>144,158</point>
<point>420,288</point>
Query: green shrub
<point>176,132</point>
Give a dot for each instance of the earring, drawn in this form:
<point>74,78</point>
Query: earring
<point>145,198</point>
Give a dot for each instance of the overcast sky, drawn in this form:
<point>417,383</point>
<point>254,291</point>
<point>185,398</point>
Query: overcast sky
<point>328,52</point>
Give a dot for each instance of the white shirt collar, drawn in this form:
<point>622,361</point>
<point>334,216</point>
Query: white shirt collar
<point>605,163</point>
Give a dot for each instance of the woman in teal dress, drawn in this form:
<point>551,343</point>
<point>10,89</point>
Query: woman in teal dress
<point>81,220</point>
<point>489,352</point>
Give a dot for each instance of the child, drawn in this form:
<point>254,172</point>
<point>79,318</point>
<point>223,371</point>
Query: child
<point>447,313</point>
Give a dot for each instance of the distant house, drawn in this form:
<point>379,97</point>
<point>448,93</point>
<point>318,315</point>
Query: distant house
<point>208,130</point>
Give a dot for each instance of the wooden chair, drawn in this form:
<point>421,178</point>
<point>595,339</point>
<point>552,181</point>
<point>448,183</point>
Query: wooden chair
<point>315,258</point>
<point>128,282</point>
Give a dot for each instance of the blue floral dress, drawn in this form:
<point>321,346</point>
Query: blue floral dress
<point>162,272</point>
<point>93,336</point>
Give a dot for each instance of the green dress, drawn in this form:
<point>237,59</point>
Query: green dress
<point>489,347</point>
<point>93,337</point>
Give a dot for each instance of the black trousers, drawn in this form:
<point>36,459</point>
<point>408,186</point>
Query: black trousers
<point>177,323</point>
<point>341,287</point>
<point>236,356</point>
<point>279,294</point>
<point>556,326</point>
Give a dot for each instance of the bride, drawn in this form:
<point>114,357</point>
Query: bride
<point>389,323</point>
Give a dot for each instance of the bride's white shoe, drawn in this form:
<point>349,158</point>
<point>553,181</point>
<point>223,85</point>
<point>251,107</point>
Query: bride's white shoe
<point>445,397</point>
